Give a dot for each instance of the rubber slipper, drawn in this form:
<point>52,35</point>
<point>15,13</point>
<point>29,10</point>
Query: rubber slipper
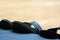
<point>50,33</point>
<point>20,27</point>
<point>5,24</point>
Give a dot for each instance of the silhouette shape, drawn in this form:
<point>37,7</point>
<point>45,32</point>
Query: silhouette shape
<point>25,27</point>
<point>20,27</point>
<point>50,33</point>
<point>5,24</point>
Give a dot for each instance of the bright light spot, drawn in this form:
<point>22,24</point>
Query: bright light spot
<point>32,26</point>
<point>58,32</point>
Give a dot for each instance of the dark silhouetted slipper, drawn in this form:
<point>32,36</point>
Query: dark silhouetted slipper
<point>5,24</point>
<point>37,27</point>
<point>24,27</point>
<point>50,33</point>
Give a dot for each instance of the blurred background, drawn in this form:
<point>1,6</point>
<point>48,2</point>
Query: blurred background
<point>45,12</point>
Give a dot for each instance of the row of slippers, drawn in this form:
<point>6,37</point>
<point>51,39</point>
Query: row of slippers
<point>25,27</point>
<point>19,27</point>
